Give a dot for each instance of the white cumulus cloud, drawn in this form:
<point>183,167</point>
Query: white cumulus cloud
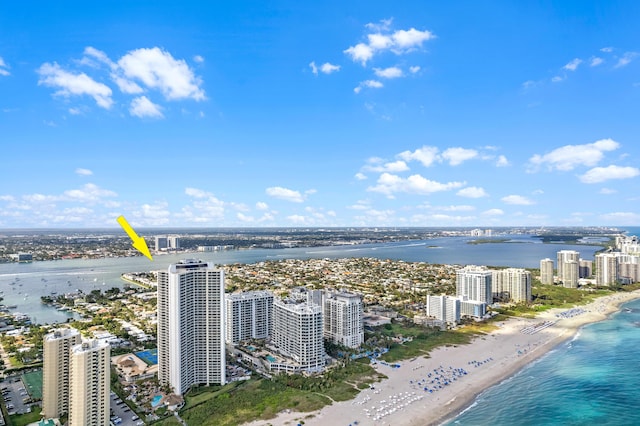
<point>361,52</point>
<point>502,161</point>
<point>457,156</point>
<point>143,107</point>
<point>408,39</point>
<point>373,84</point>
<point>69,84</point>
<point>4,68</point>
<point>493,212</point>
<point>158,69</point>
<point>205,208</point>
<point>83,172</point>
<point>394,167</point>
<point>573,65</point>
<point>285,194</point>
<point>601,174</point>
<point>390,184</point>
<point>472,192</point>
<point>621,218</point>
<point>626,58</point>
<point>382,39</point>
<point>517,200</point>
<point>328,68</point>
<point>427,155</point>
<point>89,193</point>
<point>391,72</point>
<point>570,156</point>
<point>595,61</point>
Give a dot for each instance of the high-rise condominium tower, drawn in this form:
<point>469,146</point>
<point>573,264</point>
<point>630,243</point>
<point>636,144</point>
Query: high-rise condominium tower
<point>191,325</point>
<point>475,283</point>
<point>512,284</point>
<point>568,267</point>
<point>249,315</point>
<point>342,316</point>
<point>55,373</point>
<point>444,308</point>
<point>90,379</point>
<point>606,269</point>
<point>546,271</point>
<point>297,333</point>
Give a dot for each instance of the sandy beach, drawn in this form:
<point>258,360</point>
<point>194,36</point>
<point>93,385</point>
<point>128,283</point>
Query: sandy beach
<point>428,391</point>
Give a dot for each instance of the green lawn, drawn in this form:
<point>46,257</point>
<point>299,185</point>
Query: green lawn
<point>25,419</point>
<point>246,401</point>
<point>553,296</point>
<point>241,402</point>
<point>424,340</point>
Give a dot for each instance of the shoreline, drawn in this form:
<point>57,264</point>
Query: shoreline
<point>488,360</point>
<point>611,308</point>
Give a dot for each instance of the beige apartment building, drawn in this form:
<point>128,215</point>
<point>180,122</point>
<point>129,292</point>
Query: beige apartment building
<point>89,376</point>
<point>55,373</point>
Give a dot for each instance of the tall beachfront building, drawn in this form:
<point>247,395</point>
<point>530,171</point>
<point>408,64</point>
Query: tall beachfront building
<point>298,334</point>
<point>249,315</point>
<point>628,245</point>
<point>474,282</point>
<point>568,267</point>
<point>512,284</point>
<point>55,372</point>
<point>628,268</point>
<point>546,271</point>
<point>444,308</point>
<point>342,317</point>
<point>191,325</point>
<point>570,274</point>
<point>606,269</point>
<point>90,378</point>
<point>585,268</point>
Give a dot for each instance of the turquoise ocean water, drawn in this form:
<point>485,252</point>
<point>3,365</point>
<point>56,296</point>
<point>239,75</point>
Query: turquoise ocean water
<point>593,379</point>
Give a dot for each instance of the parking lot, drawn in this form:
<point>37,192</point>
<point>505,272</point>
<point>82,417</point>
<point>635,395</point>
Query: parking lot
<point>15,396</point>
<point>121,411</point>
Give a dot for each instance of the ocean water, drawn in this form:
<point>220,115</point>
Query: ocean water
<point>32,280</point>
<point>591,380</point>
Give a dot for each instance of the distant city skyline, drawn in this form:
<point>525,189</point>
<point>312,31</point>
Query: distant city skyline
<point>364,114</point>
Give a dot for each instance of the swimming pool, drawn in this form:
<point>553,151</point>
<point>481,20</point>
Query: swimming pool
<point>271,358</point>
<point>155,401</point>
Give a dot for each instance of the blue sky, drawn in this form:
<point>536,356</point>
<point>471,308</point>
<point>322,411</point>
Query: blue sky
<point>285,113</point>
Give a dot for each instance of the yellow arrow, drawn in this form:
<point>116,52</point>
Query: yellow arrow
<point>138,242</point>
